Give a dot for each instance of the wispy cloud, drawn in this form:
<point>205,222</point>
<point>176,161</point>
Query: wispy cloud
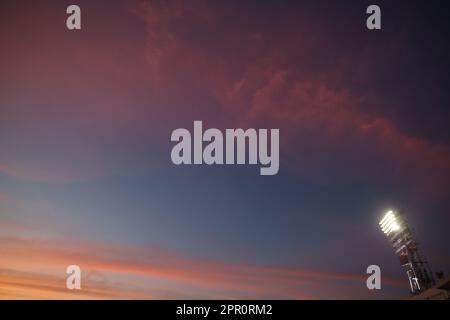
<point>146,269</point>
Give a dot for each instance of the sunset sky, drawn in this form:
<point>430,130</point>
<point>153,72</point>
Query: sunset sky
<point>86,176</point>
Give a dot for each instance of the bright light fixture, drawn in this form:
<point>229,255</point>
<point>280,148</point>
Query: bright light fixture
<point>389,222</point>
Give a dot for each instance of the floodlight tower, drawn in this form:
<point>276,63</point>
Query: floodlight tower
<point>395,226</point>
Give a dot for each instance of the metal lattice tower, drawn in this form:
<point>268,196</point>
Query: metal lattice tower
<point>396,228</point>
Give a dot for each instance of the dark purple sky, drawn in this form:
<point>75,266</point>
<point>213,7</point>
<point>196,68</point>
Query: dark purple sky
<point>85,123</point>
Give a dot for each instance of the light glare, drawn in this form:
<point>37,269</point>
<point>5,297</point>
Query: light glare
<point>389,223</point>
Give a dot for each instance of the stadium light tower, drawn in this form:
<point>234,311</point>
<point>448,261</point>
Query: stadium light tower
<point>395,227</point>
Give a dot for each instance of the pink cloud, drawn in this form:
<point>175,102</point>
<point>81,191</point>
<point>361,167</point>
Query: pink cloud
<point>184,275</point>
<point>193,62</point>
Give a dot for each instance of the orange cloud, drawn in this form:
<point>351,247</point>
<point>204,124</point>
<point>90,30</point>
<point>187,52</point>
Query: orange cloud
<point>125,269</point>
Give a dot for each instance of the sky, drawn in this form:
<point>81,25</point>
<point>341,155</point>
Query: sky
<point>86,176</point>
